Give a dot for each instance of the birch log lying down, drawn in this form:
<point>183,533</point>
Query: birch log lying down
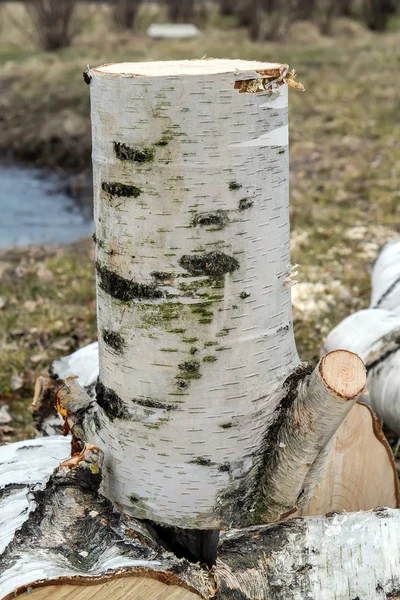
<point>63,540</point>
<point>374,334</point>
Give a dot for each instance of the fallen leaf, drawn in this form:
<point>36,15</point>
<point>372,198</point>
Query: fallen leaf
<point>62,344</point>
<point>4,416</point>
<point>16,382</point>
<point>30,306</point>
<point>6,430</point>
<point>37,358</point>
<point>44,274</point>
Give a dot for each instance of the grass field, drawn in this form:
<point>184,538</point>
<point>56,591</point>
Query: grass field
<point>345,162</point>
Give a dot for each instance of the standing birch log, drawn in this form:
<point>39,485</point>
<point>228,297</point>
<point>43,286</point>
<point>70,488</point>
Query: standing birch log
<point>198,366</point>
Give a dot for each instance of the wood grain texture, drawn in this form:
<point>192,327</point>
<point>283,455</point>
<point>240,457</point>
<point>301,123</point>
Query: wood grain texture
<point>344,373</point>
<point>126,588</point>
<point>359,473</point>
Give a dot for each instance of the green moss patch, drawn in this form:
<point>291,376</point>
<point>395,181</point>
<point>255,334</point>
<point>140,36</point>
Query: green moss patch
<point>209,359</point>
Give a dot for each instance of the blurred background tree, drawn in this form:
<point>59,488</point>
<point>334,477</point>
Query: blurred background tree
<point>55,25</point>
<point>124,13</point>
<point>52,21</point>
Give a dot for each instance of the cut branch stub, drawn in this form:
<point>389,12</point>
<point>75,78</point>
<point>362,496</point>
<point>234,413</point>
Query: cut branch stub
<point>294,463</point>
<point>344,373</point>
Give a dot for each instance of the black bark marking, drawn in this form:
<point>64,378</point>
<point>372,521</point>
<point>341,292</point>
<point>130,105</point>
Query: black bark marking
<point>122,289</point>
<point>212,263</point>
<point>121,189</point>
<point>125,152</point>
<point>244,295</point>
<point>150,403</point>
<point>162,275</point>
<point>245,203</point>
<point>217,219</point>
<point>200,460</point>
<point>182,384</point>
<point>381,359</point>
<point>114,340</point>
<point>234,185</point>
<point>224,468</point>
<point>390,289</point>
<point>99,243</point>
<point>226,425</point>
<point>110,402</point>
<point>11,488</point>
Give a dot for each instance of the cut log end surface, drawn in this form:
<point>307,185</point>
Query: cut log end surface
<point>139,588</point>
<point>190,67</point>
<point>344,373</point>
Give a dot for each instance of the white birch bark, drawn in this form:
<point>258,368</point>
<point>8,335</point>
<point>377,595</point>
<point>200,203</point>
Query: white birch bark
<point>198,366</point>
<point>56,528</point>
<point>337,557</point>
<point>206,341</point>
<point>374,334</point>
<point>72,536</point>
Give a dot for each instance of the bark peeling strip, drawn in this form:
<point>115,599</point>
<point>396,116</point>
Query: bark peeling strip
<point>122,289</point>
<point>114,340</point>
<point>121,189</point>
<point>110,402</point>
<point>212,263</point>
<point>125,152</point>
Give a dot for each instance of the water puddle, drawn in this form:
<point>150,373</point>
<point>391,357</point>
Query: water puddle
<point>32,211</point>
